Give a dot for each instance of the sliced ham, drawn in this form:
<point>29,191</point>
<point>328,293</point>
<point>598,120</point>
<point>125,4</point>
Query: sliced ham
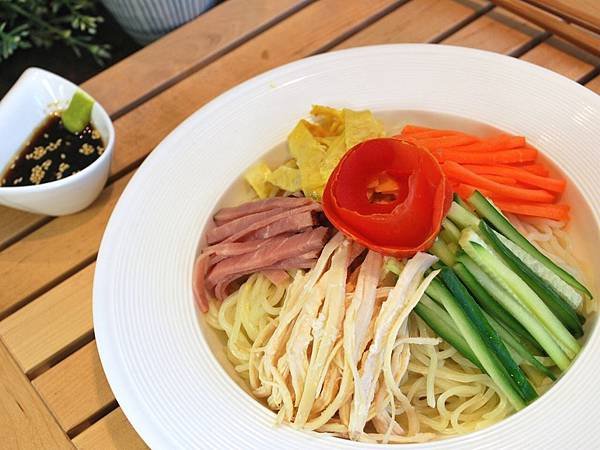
<point>279,249</point>
<point>269,236</point>
<point>221,289</point>
<point>227,214</point>
<point>295,223</point>
<point>222,232</point>
<point>273,216</point>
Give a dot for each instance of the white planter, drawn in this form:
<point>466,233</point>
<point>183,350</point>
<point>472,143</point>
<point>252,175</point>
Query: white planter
<point>147,20</point>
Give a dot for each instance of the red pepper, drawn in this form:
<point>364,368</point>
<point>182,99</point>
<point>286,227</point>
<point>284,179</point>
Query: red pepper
<point>389,195</point>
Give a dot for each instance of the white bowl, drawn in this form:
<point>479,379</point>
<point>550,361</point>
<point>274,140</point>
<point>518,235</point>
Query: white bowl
<point>165,364</point>
<point>35,95</point>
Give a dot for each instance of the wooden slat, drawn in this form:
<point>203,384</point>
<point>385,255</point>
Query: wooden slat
<point>54,250</point>
<point>35,262</point>
<point>579,37</point>
<point>417,21</point>
<point>594,85</point>
<point>159,65</point>
<point>549,55</point>
<point>498,31</point>
<point>112,432</point>
<point>185,50</point>
<point>587,12</point>
<point>76,388</point>
<point>51,324</point>
<point>25,422</point>
<point>15,223</point>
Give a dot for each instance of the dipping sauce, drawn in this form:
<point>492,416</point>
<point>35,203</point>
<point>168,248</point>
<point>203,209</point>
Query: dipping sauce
<point>53,153</point>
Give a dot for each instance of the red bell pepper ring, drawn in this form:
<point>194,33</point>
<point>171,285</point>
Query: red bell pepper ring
<point>389,195</point>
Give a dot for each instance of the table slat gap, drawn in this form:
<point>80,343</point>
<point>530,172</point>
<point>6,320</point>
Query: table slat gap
<point>25,421</point>
<point>76,389</point>
<point>594,84</point>
<point>53,326</point>
<point>403,26</point>
<point>112,432</point>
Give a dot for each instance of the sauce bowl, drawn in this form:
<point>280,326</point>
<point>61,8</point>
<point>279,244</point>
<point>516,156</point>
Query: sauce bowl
<point>37,94</point>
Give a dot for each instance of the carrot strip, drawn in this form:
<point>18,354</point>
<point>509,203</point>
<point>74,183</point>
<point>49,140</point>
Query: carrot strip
<point>494,143</point>
<point>411,129</point>
<point>499,178</point>
<point>549,184</point>
<point>537,169</point>
<point>555,212</point>
<point>432,134</point>
<point>447,141</point>
<point>516,155</point>
<point>458,172</point>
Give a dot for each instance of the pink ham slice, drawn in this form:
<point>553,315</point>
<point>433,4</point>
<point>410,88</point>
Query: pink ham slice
<point>228,214</point>
<point>269,236</point>
<point>306,261</point>
<point>277,250</point>
<point>297,222</point>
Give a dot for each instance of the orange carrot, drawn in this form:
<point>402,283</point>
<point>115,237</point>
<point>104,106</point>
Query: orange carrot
<point>555,212</point>
<point>523,176</point>
<point>537,169</point>
<point>460,173</point>
<point>494,143</point>
<point>499,178</point>
<point>411,129</point>
<point>432,134</point>
<point>516,155</point>
<point>447,141</point>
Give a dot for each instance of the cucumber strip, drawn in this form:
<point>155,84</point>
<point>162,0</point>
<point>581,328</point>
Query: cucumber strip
<point>491,306</point>
<point>530,303</point>
<point>461,216</point>
<point>460,201</point>
<point>442,324</point>
<point>566,292</point>
<point>453,247</point>
<point>440,250</point>
<point>518,348</point>
<point>511,304</point>
<point>463,311</point>
<point>450,230</point>
<point>555,303</point>
<point>475,314</point>
<point>487,210</point>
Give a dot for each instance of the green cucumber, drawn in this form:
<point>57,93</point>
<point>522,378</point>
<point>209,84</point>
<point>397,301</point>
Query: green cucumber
<point>477,317</point>
<point>450,232</point>
<point>460,201</point>
<point>566,292</point>
<point>487,210</point>
<point>442,324</point>
<point>523,303</point>
<point>481,337</point>
<point>555,303</point>
<point>440,249</point>
<point>461,216</point>
<point>518,348</point>
<point>491,306</point>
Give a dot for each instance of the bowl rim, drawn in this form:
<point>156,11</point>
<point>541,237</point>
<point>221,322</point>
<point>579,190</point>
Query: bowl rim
<point>105,120</point>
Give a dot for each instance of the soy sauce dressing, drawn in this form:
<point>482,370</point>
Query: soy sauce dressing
<point>53,153</point>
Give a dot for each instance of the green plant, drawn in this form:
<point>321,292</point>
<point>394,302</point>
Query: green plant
<point>41,23</point>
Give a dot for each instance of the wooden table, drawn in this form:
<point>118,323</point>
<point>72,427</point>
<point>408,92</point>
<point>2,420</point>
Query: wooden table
<point>53,392</point>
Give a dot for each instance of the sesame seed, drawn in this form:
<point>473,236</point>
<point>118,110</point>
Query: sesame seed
<point>86,149</point>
